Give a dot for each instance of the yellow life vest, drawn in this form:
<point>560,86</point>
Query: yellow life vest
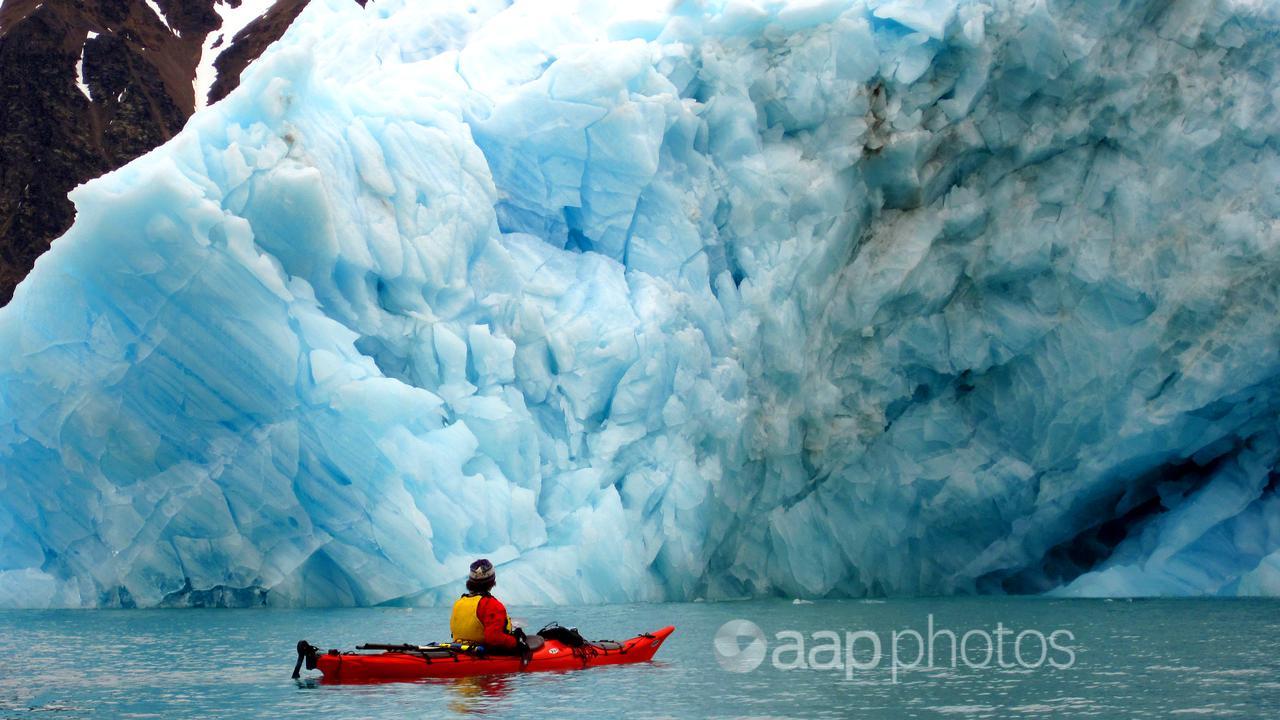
<point>465,624</point>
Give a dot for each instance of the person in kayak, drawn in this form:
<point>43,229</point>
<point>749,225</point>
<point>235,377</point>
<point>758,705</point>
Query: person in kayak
<point>479,618</point>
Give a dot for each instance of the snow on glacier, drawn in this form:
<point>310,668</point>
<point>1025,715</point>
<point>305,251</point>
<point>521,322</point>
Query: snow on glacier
<point>694,299</point>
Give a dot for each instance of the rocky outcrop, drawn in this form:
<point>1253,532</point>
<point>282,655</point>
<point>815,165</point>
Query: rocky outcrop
<point>88,85</point>
<point>249,43</point>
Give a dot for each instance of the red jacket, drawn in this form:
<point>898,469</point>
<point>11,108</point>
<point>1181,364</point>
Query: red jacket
<point>493,615</point>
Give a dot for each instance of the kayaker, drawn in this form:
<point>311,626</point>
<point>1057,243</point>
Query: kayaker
<point>479,618</point>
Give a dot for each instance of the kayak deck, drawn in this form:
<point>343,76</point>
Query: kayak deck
<point>419,663</point>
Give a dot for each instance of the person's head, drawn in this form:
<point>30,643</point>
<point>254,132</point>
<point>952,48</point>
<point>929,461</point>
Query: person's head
<point>482,578</point>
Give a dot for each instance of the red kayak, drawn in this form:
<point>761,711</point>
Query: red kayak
<point>444,661</point>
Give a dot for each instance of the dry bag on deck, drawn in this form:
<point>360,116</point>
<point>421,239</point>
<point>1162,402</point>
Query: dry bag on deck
<point>570,637</point>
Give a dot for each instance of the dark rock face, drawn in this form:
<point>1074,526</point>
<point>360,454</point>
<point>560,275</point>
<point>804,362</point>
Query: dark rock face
<point>249,43</point>
<point>138,74</point>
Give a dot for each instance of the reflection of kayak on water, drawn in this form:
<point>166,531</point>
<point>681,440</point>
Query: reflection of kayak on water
<point>557,651</point>
<point>475,695</point>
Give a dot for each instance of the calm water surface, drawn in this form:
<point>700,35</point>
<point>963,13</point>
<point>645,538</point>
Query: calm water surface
<point>1144,659</point>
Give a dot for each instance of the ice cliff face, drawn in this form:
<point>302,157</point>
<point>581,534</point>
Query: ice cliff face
<point>837,297</point>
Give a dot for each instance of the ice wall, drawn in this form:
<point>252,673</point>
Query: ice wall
<point>835,297</point>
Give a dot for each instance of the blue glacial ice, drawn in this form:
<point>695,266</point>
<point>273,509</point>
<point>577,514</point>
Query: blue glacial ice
<point>671,300</point>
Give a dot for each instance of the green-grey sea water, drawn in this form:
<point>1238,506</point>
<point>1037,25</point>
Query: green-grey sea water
<point>1126,659</point>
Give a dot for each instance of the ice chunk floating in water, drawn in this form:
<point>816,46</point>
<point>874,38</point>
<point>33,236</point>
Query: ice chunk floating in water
<point>703,300</point>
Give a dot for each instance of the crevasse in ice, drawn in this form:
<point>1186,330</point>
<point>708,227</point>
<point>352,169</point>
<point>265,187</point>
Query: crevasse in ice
<point>703,299</point>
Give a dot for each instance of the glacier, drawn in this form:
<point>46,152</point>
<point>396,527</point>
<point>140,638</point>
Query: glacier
<point>691,299</point>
